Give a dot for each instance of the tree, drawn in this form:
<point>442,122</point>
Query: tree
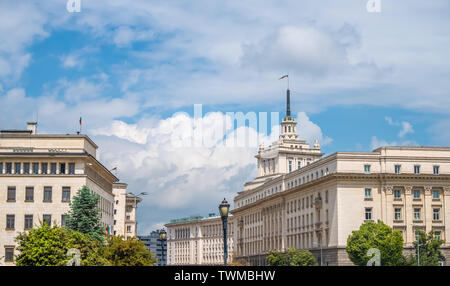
<point>428,245</point>
<point>48,246</point>
<point>85,215</point>
<point>293,257</point>
<point>129,252</point>
<point>376,235</point>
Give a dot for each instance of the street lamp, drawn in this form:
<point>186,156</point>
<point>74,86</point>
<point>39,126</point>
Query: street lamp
<point>162,237</point>
<point>224,207</point>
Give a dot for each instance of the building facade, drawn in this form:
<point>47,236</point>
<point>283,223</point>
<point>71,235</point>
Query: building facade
<point>198,241</point>
<point>156,246</point>
<point>39,174</point>
<point>319,202</point>
<point>125,210</point>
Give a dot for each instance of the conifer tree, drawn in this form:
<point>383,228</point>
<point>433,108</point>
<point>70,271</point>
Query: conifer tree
<point>85,215</point>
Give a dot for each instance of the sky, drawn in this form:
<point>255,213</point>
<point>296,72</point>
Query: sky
<point>134,69</point>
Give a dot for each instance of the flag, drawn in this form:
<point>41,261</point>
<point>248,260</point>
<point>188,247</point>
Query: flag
<point>114,169</point>
<point>283,77</point>
<point>81,119</point>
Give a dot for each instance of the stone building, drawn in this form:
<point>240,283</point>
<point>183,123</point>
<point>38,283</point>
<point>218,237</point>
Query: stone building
<point>125,209</point>
<point>156,246</point>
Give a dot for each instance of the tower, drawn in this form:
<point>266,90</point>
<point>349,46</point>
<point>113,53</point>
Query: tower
<point>288,124</point>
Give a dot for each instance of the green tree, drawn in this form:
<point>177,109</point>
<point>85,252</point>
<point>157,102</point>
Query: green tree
<point>429,250</point>
<point>293,257</point>
<point>127,252</point>
<point>48,246</point>
<point>376,235</point>
<point>85,215</point>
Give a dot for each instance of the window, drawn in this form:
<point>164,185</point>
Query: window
<point>435,194</point>
<point>298,164</point>
<point>26,168</point>
<point>8,168</point>
<point>66,194</point>
<point>47,219</point>
<point>47,194</point>
<point>368,214</point>
<point>9,254</point>
<point>326,197</point>
<point>44,168</point>
<point>17,168</point>
<point>10,220</point>
<point>417,169</point>
<point>436,170</point>
<point>128,228</point>
<point>367,169</point>
<point>416,194</point>
<point>397,194</point>
<point>416,213</point>
<point>11,194</point>
<point>290,166</point>
<point>397,214</point>
<point>29,194</point>
<point>53,168</point>
<point>35,168</point>
<point>1,168</point>
<point>437,235</point>
<point>63,220</point>
<point>71,168</point>
<point>368,193</point>
<point>436,214</point>
<point>129,208</point>
<point>115,222</point>
<point>28,221</point>
<point>397,169</point>
<point>62,168</point>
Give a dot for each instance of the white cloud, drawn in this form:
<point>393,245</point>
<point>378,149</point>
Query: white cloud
<point>376,143</point>
<point>406,126</point>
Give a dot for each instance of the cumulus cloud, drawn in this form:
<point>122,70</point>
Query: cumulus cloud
<point>376,143</point>
<point>406,127</point>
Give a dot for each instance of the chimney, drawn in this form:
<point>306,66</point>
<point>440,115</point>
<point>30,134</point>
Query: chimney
<point>32,126</point>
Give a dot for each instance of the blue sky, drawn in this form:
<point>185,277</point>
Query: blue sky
<point>359,80</point>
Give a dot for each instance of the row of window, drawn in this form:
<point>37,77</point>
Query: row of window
<point>29,194</point>
<point>398,214</point>
<point>29,221</point>
<point>37,168</point>
<point>398,194</point>
<point>300,204</point>
<point>398,169</point>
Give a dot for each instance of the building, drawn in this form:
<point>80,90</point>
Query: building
<point>198,240</point>
<point>156,246</point>
<point>304,201</point>
<point>39,174</point>
<point>125,209</point>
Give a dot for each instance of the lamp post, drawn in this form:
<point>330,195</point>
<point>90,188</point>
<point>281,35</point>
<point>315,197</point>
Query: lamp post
<point>162,237</point>
<point>224,207</point>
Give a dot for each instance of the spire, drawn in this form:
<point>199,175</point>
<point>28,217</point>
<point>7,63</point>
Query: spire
<point>288,103</point>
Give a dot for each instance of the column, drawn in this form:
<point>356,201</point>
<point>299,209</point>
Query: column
<point>446,213</point>
<point>283,225</point>
<point>409,215</point>
<point>427,209</point>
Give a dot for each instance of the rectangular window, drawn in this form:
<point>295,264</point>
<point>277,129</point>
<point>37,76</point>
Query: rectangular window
<point>290,166</point>
<point>416,194</point>
<point>397,194</point>
<point>9,254</point>
<point>26,168</point>
<point>63,220</point>
<point>1,168</point>
<point>436,214</point>
<point>129,208</point>
<point>435,194</point>
<point>416,213</point>
<point>128,228</point>
<point>53,168</point>
<point>298,165</point>
<point>62,168</point>
<point>368,193</point>
<point>417,169</point>
<point>44,168</point>
<point>326,197</point>
<point>368,214</point>
<point>17,168</point>
<point>367,169</point>
<point>398,169</point>
<point>47,219</point>
<point>397,213</point>
<point>47,194</point>
<point>436,170</point>
<point>35,168</point>
<point>8,168</point>
<point>11,194</point>
<point>28,221</point>
<point>29,194</point>
<point>437,235</point>
<point>10,221</point>
<point>66,194</point>
<point>71,168</point>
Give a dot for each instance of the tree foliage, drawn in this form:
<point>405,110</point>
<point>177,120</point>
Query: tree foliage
<point>293,257</point>
<point>429,250</point>
<point>48,246</point>
<point>85,215</point>
<point>376,235</point>
<point>127,252</point>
